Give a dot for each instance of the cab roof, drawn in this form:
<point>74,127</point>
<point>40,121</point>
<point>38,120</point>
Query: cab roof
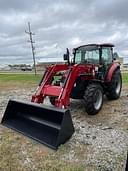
<point>95,45</point>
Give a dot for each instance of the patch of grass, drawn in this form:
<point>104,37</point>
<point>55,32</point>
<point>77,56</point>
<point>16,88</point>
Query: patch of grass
<point>55,165</point>
<point>11,77</point>
<point>19,154</point>
<point>9,81</point>
<point>125,77</point>
<point>29,77</point>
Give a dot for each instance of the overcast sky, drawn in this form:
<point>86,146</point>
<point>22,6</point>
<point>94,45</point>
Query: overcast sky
<point>60,24</point>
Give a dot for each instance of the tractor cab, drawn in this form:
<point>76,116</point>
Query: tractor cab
<point>100,55</point>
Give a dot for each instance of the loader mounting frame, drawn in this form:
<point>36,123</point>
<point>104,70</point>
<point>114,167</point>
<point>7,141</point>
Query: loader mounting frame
<point>61,92</point>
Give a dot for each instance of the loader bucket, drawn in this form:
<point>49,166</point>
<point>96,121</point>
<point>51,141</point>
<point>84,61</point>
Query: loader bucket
<point>47,125</point>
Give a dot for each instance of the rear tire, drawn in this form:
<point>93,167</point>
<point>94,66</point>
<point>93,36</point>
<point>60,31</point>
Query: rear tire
<point>93,98</point>
<point>114,89</point>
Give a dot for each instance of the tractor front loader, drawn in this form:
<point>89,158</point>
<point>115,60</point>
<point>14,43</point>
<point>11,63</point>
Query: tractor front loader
<point>91,75</point>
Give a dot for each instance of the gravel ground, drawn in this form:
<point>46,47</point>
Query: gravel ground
<point>99,143</point>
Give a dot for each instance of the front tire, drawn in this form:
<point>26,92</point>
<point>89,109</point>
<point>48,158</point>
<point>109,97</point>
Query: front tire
<point>93,98</point>
<point>114,89</point>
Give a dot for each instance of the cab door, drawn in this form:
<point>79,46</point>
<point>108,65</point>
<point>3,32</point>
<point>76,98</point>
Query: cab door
<point>106,59</point>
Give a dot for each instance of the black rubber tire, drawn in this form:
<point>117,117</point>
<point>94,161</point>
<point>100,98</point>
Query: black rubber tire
<point>114,88</point>
<point>52,100</point>
<point>90,98</point>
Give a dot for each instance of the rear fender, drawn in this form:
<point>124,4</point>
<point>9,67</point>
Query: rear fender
<point>110,72</point>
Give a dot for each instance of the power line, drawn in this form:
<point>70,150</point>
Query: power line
<point>32,46</point>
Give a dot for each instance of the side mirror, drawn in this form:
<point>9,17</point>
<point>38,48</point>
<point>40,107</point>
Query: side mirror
<point>66,57</point>
<point>115,56</point>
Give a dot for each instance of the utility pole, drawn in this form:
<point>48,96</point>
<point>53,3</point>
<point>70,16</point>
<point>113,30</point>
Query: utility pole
<point>32,46</point>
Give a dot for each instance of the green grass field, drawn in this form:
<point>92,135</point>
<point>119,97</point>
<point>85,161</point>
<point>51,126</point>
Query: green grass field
<point>19,78</point>
<point>125,77</point>
<point>31,78</point>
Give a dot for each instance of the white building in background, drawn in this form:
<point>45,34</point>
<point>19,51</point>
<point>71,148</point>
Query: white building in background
<point>44,62</point>
<point>50,59</point>
<point>123,66</point>
<point>5,68</point>
<point>121,61</point>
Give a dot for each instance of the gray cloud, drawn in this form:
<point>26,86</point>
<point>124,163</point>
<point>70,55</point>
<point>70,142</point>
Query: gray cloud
<point>59,24</point>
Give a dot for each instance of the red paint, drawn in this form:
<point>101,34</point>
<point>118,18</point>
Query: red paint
<point>111,70</point>
<point>71,73</point>
<point>62,93</point>
<point>50,90</point>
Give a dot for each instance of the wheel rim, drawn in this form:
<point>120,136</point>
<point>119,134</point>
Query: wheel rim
<point>98,99</point>
<point>118,86</point>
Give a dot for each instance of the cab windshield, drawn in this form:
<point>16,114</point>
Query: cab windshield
<point>90,56</point>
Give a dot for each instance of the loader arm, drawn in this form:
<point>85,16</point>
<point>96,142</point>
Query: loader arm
<point>39,96</point>
<point>64,99</point>
<point>62,93</point>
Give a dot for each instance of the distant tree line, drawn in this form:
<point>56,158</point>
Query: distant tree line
<point>19,65</point>
<point>22,67</point>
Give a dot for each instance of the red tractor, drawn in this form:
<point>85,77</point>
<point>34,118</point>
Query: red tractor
<point>91,75</point>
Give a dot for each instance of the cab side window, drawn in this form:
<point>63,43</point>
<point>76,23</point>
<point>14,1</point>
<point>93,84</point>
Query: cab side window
<point>106,55</point>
